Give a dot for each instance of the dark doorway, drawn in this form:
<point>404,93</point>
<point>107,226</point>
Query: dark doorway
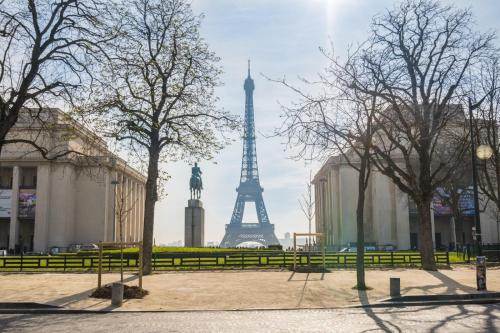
<point>437,236</point>
<point>414,241</point>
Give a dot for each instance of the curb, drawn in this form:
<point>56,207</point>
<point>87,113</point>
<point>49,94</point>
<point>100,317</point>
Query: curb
<point>384,304</point>
<point>446,297</point>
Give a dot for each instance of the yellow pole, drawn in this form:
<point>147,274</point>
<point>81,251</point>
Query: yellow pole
<point>294,251</point>
<point>140,265</point>
<point>324,264</point>
<point>99,264</point>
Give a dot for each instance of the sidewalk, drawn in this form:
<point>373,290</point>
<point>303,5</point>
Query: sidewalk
<point>229,290</point>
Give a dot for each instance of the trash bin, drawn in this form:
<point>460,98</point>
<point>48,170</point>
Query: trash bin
<point>481,272</point>
<point>117,294</point>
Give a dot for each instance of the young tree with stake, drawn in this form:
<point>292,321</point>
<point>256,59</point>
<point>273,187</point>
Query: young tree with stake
<point>157,93</point>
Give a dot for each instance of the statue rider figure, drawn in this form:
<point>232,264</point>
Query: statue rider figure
<point>195,183</point>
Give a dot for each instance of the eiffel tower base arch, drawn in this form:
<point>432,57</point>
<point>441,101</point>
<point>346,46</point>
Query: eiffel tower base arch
<point>249,232</point>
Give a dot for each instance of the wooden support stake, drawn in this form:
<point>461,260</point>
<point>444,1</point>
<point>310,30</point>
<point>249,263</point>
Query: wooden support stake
<point>294,251</point>
<point>140,264</point>
<point>99,278</point>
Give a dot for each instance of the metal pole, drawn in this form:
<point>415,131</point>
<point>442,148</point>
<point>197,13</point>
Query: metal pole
<point>294,251</point>
<point>477,218</point>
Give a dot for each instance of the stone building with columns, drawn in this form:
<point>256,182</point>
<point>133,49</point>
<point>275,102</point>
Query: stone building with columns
<point>85,195</point>
<point>391,219</point>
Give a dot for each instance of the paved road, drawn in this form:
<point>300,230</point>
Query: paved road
<point>467,318</point>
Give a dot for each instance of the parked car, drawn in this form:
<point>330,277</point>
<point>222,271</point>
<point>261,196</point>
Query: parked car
<point>348,249</point>
<point>74,247</point>
<point>389,248</point>
<point>89,247</point>
<point>368,248</point>
<point>33,253</point>
<point>54,250</point>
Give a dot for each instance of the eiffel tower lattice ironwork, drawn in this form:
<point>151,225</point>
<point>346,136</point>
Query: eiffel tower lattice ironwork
<point>249,190</point>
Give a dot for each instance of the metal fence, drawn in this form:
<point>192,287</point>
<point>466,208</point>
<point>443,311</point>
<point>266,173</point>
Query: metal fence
<point>211,261</point>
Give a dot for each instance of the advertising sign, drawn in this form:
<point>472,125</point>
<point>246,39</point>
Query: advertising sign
<point>439,204</point>
<point>465,203</point>
<point>5,203</point>
<point>27,203</point>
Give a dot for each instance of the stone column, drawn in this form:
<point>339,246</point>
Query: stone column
<point>194,231</point>
<point>127,210</point>
<point>107,208</point>
<point>117,224</point>
<point>141,219</point>
<point>137,210</point>
<point>14,209</point>
<point>42,208</point>
<point>133,207</point>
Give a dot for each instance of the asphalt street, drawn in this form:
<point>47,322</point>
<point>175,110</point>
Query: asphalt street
<point>460,318</point>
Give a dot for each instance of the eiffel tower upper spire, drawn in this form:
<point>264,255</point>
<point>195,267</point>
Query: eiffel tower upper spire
<point>249,86</point>
<point>249,169</point>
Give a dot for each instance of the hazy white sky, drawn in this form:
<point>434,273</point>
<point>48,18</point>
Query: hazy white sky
<point>281,37</point>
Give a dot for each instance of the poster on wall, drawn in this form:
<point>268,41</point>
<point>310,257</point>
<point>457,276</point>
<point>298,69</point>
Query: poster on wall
<point>466,203</point>
<point>439,203</point>
<point>27,203</point>
<point>5,203</point>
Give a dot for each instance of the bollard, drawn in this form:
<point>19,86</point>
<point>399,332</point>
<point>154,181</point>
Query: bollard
<point>481,272</point>
<point>395,287</point>
<point>117,294</point>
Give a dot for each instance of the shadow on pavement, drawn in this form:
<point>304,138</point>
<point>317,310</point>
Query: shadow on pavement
<point>452,286</point>
<point>384,325</point>
<point>67,300</point>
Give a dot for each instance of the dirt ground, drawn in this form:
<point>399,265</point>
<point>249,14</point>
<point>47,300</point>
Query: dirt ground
<point>228,290</point>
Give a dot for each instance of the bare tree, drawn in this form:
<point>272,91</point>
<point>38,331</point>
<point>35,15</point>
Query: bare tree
<point>416,60</point>
<point>157,93</point>
<point>123,206</point>
<point>306,203</point>
<point>339,122</point>
<point>45,47</point>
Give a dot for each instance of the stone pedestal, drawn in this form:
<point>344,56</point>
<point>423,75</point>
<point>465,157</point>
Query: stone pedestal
<point>194,224</point>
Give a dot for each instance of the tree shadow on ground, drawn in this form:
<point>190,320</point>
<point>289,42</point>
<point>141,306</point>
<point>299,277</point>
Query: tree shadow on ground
<point>68,300</point>
<point>466,314</point>
<point>451,286</point>
<point>384,325</point>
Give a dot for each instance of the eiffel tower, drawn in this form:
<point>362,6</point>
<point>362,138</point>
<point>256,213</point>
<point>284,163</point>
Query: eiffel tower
<point>249,189</point>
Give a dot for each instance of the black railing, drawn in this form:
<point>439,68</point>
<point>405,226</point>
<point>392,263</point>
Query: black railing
<point>212,261</point>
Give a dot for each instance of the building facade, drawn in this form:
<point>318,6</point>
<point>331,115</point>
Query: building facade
<point>391,219</point>
<point>86,195</point>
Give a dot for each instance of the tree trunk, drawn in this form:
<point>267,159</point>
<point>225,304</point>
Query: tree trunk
<point>425,235</point>
<point>151,196</point>
<point>360,240</point>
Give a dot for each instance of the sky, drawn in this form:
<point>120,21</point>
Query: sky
<point>282,39</point>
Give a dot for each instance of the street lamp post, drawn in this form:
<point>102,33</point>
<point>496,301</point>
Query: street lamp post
<point>477,218</point>
<point>483,152</point>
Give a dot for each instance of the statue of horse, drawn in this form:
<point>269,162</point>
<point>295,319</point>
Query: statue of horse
<point>195,186</point>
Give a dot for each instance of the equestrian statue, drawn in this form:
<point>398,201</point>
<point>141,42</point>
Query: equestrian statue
<point>195,183</point>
